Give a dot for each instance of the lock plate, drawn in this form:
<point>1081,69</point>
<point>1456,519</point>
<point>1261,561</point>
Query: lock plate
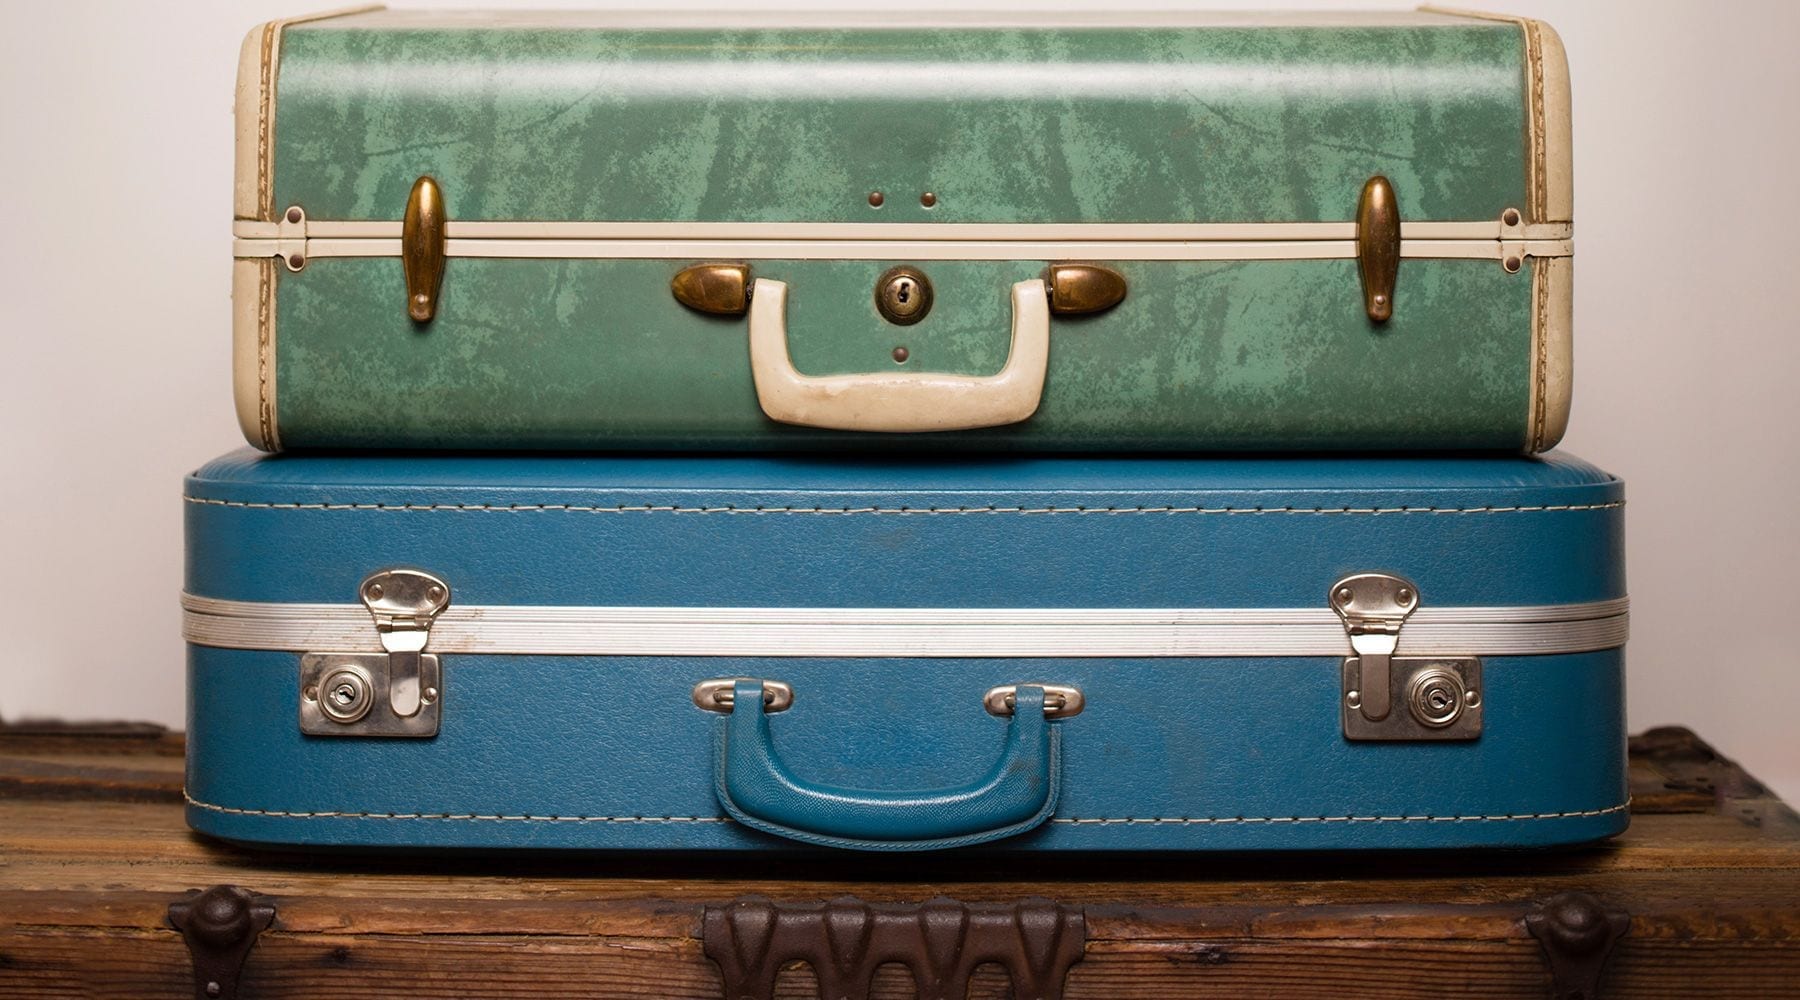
<point>1433,698</point>
<point>346,694</point>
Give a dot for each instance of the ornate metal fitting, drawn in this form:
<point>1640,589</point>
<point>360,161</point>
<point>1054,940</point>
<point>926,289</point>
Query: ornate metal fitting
<point>1378,247</point>
<point>422,248</point>
<point>220,927</point>
<point>1078,289</point>
<point>718,289</point>
<point>395,693</point>
<point>1577,932</point>
<point>941,942</point>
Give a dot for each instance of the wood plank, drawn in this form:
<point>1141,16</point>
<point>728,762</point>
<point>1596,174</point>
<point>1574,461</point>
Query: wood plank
<point>93,848</point>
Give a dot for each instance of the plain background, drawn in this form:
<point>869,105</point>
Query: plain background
<point>115,182</point>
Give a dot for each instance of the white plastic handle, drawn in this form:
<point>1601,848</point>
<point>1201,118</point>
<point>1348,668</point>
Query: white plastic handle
<point>899,401</point>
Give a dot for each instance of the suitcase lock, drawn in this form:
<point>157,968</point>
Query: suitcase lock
<point>1442,694</point>
<point>392,693</point>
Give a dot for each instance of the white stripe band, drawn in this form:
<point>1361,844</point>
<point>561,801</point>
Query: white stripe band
<point>904,241</point>
<point>906,632</point>
<point>915,250</point>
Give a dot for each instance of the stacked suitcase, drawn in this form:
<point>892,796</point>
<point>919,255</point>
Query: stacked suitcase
<point>1110,434</point>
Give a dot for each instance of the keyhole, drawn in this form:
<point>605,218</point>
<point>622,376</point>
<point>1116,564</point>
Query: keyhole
<point>903,296</point>
<point>344,694</point>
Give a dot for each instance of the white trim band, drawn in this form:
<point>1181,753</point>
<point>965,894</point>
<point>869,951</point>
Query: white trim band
<point>908,241</point>
<point>907,632</point>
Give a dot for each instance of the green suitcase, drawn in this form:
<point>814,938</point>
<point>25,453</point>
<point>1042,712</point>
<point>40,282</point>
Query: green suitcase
<point>1163,232</point>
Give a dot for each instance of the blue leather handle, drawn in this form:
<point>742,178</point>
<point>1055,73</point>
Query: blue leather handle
<point>1018,792</point>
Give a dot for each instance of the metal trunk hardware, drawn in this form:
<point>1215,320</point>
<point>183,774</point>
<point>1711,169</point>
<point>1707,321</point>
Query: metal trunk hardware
<point>220,927</point>
<point>395,693</point>
<point>1578,933</point>
<point>1441,694</point>
<point>941,942</point>
<point>422,248</point>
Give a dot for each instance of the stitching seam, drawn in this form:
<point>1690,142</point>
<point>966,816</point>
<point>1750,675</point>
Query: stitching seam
<point>264,410</point>
<point>266,86</point>
<point>1149,820</point>
<point>676,509</point>
<point>1540,289</point>
<point>1540,184</point>
<point>521,818</point>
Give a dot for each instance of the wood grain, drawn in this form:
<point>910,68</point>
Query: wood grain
<point>93,850</point>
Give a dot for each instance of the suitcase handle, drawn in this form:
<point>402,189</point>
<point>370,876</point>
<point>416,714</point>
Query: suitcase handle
<point>1018,792</point>
<point>903,402</point>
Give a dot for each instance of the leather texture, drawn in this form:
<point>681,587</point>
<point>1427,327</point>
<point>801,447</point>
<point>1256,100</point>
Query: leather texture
<point>1222,124</point>
<point>608,752</point>
<point>1016,794</point>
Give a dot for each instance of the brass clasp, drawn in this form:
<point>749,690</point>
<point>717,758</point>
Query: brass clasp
<point>422,248</point>
<point>1378,247</point>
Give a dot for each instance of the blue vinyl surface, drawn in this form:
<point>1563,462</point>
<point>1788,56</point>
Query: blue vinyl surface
<point>1170,754</point>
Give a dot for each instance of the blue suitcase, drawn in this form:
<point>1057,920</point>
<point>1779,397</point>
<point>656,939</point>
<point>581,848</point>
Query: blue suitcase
<point>1070,654</point>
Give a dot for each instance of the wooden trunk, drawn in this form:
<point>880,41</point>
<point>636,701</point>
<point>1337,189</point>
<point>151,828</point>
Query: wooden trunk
<point>1700,897</point>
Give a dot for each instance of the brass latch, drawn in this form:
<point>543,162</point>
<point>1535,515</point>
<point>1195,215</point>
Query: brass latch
<point>422,248</point>
<point>1378,247</point>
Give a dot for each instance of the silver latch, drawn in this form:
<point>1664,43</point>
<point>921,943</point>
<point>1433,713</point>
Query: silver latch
<point>394,693</point>
<point>1373,607</point>
<point>1442,693</point>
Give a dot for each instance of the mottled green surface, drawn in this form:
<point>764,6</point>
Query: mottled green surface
<point>1203,355</point>
<point>1220,124</point>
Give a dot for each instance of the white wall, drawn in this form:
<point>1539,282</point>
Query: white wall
<point>115,179</point>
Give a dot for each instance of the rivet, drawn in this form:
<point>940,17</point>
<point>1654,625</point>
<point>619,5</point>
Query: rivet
<point>1404,595</point>
<point>374,590</point>
<point>1344,594</point>
<point>295,215</point>
<point>214,989</point>
<point>436,592</point>
<point>1353,699</point>
<point>430,695</point>
<point>875,199</point>
<point>296,261</point>
<point>928,199</point>
<point>900,355</point>
<point>1512,265</point>
<point>1510,217</point>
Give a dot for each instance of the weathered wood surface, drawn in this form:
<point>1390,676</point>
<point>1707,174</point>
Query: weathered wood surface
<point>93,850</point>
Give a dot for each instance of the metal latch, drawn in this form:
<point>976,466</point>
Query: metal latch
<point>394,693</point>
<point>1442,694</point>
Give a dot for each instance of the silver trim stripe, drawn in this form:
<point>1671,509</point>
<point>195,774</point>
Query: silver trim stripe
<point>906,632</point>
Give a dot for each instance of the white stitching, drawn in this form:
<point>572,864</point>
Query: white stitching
<point>676,509</point>
<point>522,818</point>
<point>1228,820</point>
<point>1096,821</point>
